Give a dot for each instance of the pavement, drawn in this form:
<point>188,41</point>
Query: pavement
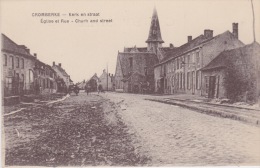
<point>238,111</point>
<point>119,129</point>
<point>171,135</point>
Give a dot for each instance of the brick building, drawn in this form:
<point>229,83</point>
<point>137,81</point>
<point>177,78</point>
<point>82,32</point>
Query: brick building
<point>134,68</point>
<point>179,71</point>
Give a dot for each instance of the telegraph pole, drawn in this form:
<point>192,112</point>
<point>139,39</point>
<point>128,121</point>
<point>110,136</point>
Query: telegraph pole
<point>257,59</point>
<point>107,76</point>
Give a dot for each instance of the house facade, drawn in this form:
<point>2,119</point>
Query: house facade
<point>45,78</point>
<point>107,81</point>
<point>180,69</point>
<point>17,69</point>
<point>63,79</point>
<point>233,74</point>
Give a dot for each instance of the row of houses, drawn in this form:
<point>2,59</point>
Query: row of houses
<point>218,66</point>
<point>24,74</point>
<point>105,80</point>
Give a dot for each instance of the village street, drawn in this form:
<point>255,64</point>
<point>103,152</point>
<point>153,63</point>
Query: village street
<point>125,130</point>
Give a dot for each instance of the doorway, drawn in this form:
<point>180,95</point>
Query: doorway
<point>212,85</point>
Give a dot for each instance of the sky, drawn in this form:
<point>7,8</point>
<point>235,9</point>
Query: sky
<point>87,48</point>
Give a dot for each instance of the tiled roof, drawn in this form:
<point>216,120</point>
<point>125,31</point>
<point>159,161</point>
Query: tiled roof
<point>177,51</point>
<point>11,46</point>
<point>226,58</point>
<point>61,70</point>
<point>171,53</point>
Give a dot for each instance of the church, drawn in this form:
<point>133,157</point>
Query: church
<point>135,66</point>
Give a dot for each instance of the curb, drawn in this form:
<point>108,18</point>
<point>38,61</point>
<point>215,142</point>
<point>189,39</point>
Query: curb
<point>211,112</point>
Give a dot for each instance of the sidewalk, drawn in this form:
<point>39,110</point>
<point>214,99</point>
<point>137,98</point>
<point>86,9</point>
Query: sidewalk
<point>236,111</point>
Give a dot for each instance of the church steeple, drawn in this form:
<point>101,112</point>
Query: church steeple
<point>154,40</point>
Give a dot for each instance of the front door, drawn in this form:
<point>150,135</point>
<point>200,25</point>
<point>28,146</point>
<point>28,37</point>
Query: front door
<point>192,82</point>
<point>212,85</point>
<point>161,85</point>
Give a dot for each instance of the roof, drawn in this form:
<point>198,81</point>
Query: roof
<point>225,58</point>
<point>175,52</point>
<point>178,51</point>
<point>59,68</point>
<point>9,45</point>
<point>155,32</point>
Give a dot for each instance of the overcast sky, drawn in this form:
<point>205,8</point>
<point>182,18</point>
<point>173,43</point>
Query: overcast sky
<point>86,48</point>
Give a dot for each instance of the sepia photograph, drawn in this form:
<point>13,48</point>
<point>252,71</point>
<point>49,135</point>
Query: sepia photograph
<point>130,83</point>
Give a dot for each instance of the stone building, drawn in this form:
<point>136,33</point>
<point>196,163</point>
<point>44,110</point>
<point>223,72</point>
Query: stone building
<point>134,68</point>
<point>179,71</point>
<point>17,68</point>
<point>233,74</point>
<point>107,81</point>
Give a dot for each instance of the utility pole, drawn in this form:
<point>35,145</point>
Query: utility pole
<point>107,76</point>
<point>257,59</point>
<point>253,12</point>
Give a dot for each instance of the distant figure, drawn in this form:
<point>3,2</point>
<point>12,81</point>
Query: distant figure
<point>87,89</point>
<point>100,88</point>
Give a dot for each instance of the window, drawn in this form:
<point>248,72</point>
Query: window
<point>173,81</point>
<point>177,63</point>
<point>207,84</point>
<point>189,61</point>
<point>198,80</point>
<point>22,63</point>
<point>5,61</point>
<point>177,77</point>
<point>181,81</point>
<point>12,61</point>
<point>17,62</point>
<point>131,62</point>
<point>188,80</point>
<point>197,58</point>
<point>145,71</point>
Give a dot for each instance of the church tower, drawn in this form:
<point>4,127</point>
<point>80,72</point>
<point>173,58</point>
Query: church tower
<point>154,40</point>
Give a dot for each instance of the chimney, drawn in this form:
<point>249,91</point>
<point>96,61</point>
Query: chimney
<point>60,64</point>
<point>53,63</point>
<point>189,38</point>
<point>35,55</point>
<point>235,30</point>
<point>104,70</point>
<point>171,46</point>
<point>208,33</point>
<point>108,74</point>
<point>27,50</point>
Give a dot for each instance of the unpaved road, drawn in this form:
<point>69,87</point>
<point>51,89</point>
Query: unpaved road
<point>80,131</point>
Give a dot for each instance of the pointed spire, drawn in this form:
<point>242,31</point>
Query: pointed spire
<point>155,32</point>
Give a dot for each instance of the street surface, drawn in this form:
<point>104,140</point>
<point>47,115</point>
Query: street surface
<point>121,129</point>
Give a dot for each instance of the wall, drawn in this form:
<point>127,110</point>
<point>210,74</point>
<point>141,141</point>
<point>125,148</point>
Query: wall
<point>8,71</point>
